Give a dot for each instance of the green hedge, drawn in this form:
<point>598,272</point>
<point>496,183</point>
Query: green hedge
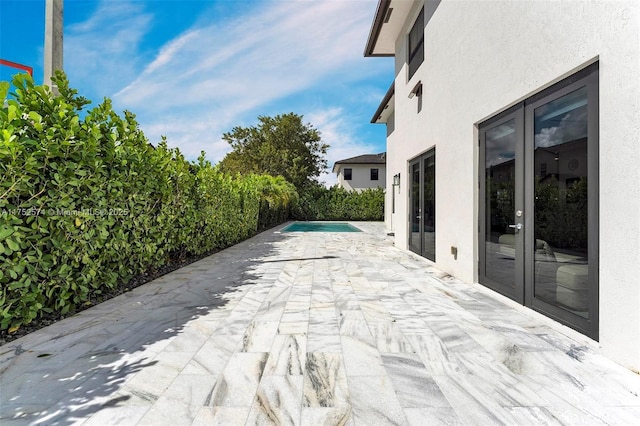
<point>87,203</point>
<point>335,203</point>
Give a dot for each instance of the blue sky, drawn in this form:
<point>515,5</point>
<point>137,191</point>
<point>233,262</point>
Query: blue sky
<point>193,69</point>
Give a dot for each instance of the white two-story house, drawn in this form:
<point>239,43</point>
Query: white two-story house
<point>362,172</point>
<point>513,152</point>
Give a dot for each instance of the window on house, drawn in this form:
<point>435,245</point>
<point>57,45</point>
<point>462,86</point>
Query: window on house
<point>374,174</point>
<point>416,44</point>
<point>347,174</point>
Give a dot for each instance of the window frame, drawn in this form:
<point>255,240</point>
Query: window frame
<point>350,173</point>
<point>415,54</point>
<point>377,173</point>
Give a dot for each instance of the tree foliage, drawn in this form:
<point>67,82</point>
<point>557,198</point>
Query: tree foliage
<point>279,146</point>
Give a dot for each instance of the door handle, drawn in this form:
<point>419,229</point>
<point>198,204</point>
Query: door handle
<point>418,217</point>
<point>517,226</point>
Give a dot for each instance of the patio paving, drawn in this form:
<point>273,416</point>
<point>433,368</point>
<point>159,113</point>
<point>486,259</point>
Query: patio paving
<point>311,329</point>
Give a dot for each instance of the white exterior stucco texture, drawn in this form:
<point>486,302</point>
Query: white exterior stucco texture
<point>482,57</point>
<point>361,177</point>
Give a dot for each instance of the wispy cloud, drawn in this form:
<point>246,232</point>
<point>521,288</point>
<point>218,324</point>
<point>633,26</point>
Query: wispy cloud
<point>213,77</point>
<point>269,57</point>
<point>104,50</point>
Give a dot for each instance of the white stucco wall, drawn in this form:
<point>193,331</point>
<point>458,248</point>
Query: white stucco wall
<point>396,163</point>
<point>361,176</point>
<point>482,57</point>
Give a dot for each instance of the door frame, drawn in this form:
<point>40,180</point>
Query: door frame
<point>419,159</point>
<point>523,112</point>
<point>514,113</point>
<point>586,78</point>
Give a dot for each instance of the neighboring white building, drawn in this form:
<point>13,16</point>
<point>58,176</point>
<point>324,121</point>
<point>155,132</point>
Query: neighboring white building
<point>514,136</point>
<point>362,172</point>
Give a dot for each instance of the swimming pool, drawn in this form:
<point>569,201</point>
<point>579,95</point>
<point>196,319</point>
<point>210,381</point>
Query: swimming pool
<point>320,227</point>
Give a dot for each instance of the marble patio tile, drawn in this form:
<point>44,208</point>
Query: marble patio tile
<point>322,304</point>
<point>237,384</point>
<point>433,353</point>
<point>410,326</point>
<point>270,312</point>
<point>361,358</point>
<point>375,311</point>
<point>527,341</point>
<point>288,355</point>
<point>259,336</point>
<point>236,323</point>
<point>572,415</point>
<point>190,339</point>
<point>472,406</point>
<point>321,416</point>
<point>218,313</point>
<point>278,401</point>
<point>389,338</point>
<point>439,416</point>
<point>353,327</point>
<point>182,401</point>
<point>213,355</point>
<point>577,403</point>
<point>295,316</point>
<point>330,342</point>
<point>413,384</point>
<point>221,416</point>
<point>117,415</point>
<point>248,306</point>
<point>454,337</point>
<point>32,389</point>
<point>169,411</point>
<point>325,381</point>
<point>293,327</point>
<point>324,327</point>
<point>534,415</point>
<point>518,361</point>
<point>192,389</point>
<point>277,295</point>
<point>322,313</point>
<point>156,377</point>
<point>346,301</point>
<point>375,408</point>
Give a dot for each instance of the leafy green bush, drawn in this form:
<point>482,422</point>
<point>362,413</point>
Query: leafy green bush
<point>335,203</point>
<point>87,203</point>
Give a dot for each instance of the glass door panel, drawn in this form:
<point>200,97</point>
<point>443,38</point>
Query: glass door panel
<point>429,208</point>
<point>561,221</point>
<point>415,212</point>
<point>538,228</point>
<point>502,240</point>
<point>422,202</point>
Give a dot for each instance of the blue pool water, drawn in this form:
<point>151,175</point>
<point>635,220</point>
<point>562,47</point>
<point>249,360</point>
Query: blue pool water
<point>320,227</point>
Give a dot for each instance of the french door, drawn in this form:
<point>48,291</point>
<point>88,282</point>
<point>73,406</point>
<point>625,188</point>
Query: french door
<point>422,205</point>
<point>539,202</point>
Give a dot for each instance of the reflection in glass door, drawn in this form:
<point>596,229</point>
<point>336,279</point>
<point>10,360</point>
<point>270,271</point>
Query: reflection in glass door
<point>422,204</point>
<point>561,279</point>
<point>539,212</point>
<point>503,240</point>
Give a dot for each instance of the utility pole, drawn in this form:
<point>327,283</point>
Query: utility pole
<point>52,41</point>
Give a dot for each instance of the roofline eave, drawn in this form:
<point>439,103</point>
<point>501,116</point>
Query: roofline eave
<point>376,27</point>
<point>385,101</point>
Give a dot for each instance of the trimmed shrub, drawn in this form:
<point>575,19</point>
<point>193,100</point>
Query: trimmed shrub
<point>87,203</point>
<point>335,203</point>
